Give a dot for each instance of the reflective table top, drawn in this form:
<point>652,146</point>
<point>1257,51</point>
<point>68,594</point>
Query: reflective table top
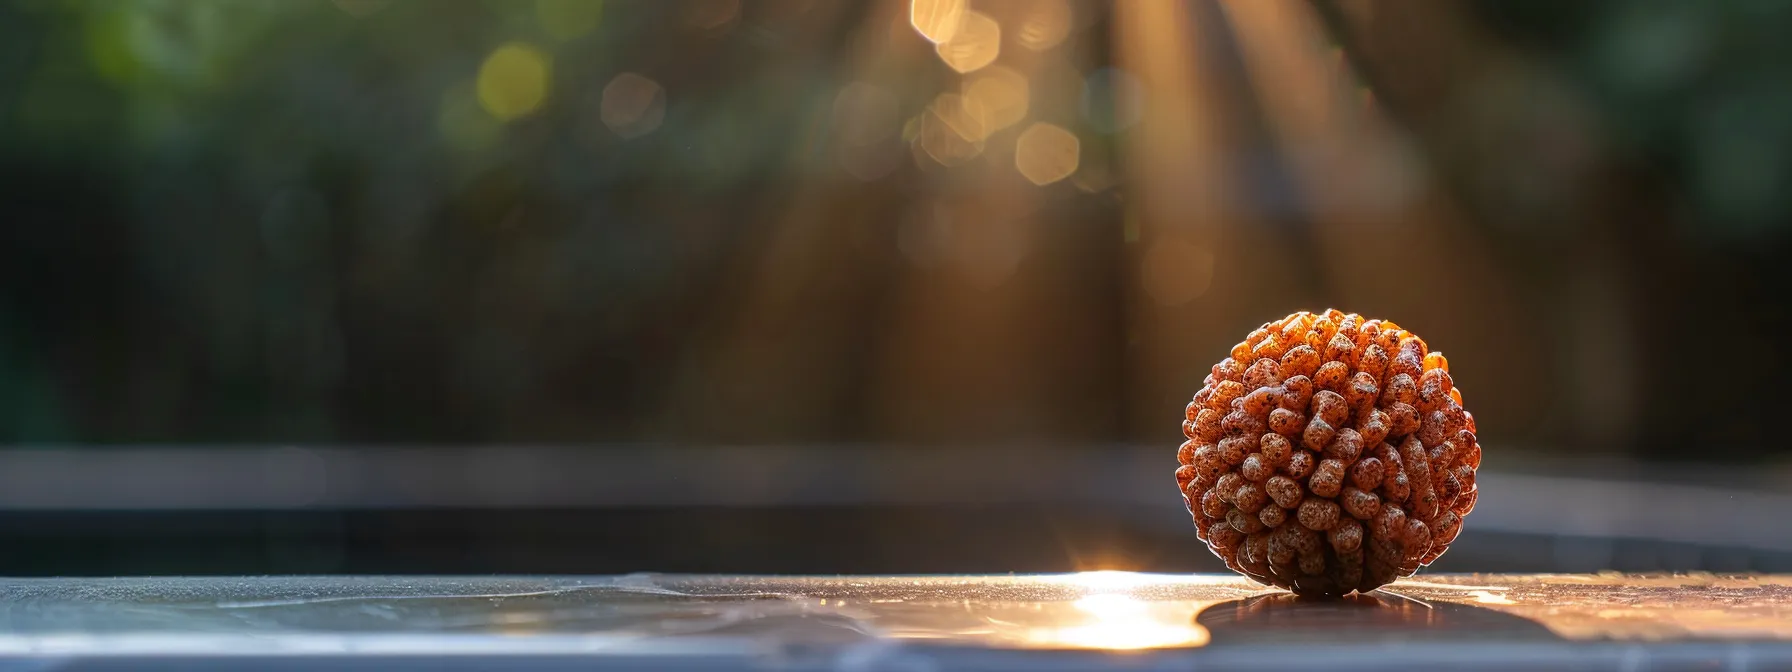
<point>1094,620</point>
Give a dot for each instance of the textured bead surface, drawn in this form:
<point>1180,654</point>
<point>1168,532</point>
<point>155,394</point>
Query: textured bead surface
<point>1329,453</point>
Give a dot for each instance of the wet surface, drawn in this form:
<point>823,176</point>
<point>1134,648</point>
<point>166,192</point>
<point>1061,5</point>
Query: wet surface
<point>1737,622</point>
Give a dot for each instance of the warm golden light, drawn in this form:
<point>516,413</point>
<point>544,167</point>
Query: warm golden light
<point>976,43</point>
<point>1045,25</point>
<point>965,118</point>
<point>1108,579</point>
<point>949,135</point>
<point>1176,271</point>
<point>513,81</point>
<point>632,105</point>
<point>936,20</point>
<point>1179,182</point>
<point>1116,621</point>
<point>1490,597</point>
<point>1112,581</point>
<point>1045,153</point>
<point>999,96</point>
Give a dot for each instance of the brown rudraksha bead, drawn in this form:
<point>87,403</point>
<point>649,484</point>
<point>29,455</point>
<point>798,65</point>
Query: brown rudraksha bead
<point>1329,454</point>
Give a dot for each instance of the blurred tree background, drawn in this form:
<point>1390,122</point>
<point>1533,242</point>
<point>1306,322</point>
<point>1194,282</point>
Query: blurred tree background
<point>481,221</point>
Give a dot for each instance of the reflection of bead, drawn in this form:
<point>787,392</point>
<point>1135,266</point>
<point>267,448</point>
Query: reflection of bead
<point>1328,454</point>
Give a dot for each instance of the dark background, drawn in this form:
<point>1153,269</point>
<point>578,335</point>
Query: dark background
<point>296,228</point>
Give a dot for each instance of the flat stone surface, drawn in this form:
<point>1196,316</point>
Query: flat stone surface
<point>1091,620</point>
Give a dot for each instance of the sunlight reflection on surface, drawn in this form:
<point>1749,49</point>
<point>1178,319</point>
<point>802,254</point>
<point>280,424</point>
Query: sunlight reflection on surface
<point>1109,580</point>
<point>1108,617</point>
<point>1114,621</point>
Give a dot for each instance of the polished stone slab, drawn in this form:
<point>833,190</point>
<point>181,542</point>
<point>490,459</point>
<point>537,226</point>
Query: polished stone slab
<point>1093,620</point>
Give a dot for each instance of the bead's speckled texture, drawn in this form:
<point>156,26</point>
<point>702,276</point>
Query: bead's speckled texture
<point>1329,453</point>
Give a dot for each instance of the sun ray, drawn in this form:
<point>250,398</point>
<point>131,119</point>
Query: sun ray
<point>1370,199</point>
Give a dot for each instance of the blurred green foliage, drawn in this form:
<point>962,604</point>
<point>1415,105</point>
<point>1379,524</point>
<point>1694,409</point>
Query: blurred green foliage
<point>1696,87</point>
<point>299,220</point>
